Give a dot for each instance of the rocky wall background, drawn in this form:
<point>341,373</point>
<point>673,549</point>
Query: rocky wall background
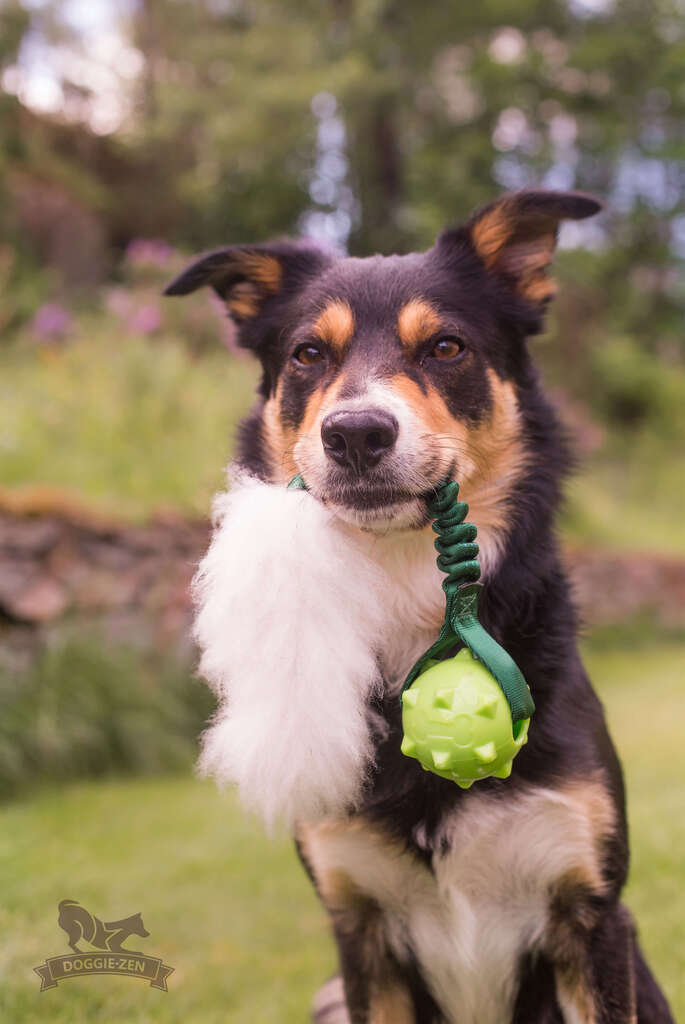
<point>67,565</point>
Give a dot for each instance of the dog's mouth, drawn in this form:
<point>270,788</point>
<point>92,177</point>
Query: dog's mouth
<point>370,499</point>
<point>396,513</point>
<point>376,504</point>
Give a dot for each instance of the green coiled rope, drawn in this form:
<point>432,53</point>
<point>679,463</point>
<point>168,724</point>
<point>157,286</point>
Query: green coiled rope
<point>458,559</point>
<point>455,543</point>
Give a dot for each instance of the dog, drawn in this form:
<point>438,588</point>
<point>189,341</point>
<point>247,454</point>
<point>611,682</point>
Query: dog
<point>381,377</point>
<point>81,925</point>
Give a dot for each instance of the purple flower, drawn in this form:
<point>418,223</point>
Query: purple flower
<point>146,320</point>
<point>51,322</point>
<point>148,252</point>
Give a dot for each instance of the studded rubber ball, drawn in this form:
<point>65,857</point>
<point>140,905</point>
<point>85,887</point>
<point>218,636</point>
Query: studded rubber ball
<point>457,722</point>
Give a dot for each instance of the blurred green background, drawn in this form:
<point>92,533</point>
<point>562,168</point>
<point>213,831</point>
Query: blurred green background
<point>133,134</point>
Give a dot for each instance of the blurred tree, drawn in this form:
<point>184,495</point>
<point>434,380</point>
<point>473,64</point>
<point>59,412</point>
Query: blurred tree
<point>14,21</point>
<point>224,113</point>
<point>419,113</point>
<point>373,122</point>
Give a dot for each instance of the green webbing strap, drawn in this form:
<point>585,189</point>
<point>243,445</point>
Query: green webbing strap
<point>458,559</point>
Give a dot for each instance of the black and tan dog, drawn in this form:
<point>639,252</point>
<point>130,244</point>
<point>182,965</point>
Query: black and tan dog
<point>381,377</point>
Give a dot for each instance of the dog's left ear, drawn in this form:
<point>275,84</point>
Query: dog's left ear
<point>247,277</point>
<point>516,235</point>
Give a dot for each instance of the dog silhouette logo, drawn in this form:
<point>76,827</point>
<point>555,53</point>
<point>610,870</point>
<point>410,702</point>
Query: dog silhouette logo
<point>80,925</point>
<point>108,956</point>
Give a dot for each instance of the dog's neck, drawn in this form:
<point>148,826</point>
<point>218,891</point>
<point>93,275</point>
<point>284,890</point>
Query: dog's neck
<point>414,600</point>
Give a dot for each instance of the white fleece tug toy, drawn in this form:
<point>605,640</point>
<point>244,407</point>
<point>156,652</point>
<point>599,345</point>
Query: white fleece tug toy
<point>288,620</point>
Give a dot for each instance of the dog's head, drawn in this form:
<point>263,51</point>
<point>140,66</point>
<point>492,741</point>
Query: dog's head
<point>382,376</point>
<point>135,925</point>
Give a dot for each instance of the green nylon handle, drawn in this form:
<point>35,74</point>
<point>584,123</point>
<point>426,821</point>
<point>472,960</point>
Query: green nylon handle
<point>464,621</point>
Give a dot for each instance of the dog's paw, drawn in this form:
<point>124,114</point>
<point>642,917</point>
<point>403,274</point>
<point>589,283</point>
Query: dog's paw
<point>329,1006</point>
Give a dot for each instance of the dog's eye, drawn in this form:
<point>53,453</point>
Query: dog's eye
<point>307,354</point>
<point>447,348</point>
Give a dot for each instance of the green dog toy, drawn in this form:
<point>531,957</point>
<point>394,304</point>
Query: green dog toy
<point>464,717</point>
<point>457,722</point>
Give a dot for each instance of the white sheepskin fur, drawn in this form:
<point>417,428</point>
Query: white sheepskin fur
<point>289,619</point>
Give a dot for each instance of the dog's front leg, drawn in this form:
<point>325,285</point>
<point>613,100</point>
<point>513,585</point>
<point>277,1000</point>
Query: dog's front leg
<point>374,988</point>
<point>595,969</point>
<point>375,985</point>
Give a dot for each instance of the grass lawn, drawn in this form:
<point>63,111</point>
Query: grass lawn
<point>232,911</point>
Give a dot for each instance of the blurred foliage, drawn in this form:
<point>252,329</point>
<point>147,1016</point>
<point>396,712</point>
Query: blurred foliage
<point>421,92</point>
<point>131,423</point>
<point>629,495</point>
<point>88,709</point>
<point>369,123</point>
<point>630,386</point>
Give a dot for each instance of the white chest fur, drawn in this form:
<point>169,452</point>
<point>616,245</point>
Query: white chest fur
<point>484,903</point>
<point>412,598</point>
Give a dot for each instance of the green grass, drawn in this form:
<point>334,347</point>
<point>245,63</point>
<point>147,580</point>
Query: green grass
<point>233,913</point>
<point>126,423</point>
<point>229,910</point>
<point>645,702</point>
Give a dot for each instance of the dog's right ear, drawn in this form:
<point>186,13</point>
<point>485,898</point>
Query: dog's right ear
<point>516,235</point>
<point>250,277</point>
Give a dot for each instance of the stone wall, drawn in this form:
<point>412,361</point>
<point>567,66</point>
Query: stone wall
<point>66,565</point>
<point>74,570</point>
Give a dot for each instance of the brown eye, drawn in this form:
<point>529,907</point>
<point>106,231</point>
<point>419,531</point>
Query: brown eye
<point>447,348</point>
<point>307,355</point>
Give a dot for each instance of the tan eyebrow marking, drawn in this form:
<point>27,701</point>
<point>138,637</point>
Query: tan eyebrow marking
<point>335,324</point>
<point>417,321</point>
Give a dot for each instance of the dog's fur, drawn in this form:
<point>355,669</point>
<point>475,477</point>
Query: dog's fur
<point>496,905</point>
<point>292,731</point>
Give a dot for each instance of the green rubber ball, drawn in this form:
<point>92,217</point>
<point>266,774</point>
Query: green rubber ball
<point>457,722</point>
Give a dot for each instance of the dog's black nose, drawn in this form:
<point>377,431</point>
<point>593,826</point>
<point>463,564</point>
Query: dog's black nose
<point>358,439</point>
